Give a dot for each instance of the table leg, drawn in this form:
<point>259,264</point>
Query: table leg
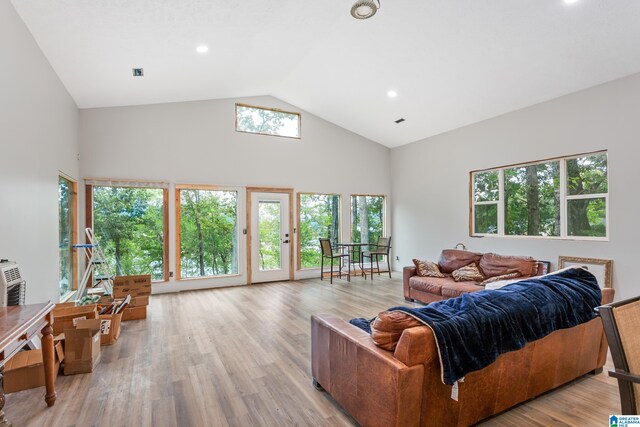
<point>3,420</point>
<point>49,365</point>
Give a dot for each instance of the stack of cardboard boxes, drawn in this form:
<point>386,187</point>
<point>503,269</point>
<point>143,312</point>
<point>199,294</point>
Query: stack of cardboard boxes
<point>79,331</point>
<point>139,287</point>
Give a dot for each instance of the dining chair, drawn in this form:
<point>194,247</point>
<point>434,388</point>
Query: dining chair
<point>621,321</point>
<point>381,249</point>
<point>328,252</point>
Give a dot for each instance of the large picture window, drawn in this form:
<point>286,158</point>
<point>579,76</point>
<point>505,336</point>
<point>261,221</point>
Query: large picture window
<point>130,225</point>
<point>564,197</point>
<point>319,217</point>
<point>367,218</point>
<point>67,235</point>
<point>207,224</point>
<point>267,121</point>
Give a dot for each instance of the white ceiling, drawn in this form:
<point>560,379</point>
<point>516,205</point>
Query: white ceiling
<point>452,62</point>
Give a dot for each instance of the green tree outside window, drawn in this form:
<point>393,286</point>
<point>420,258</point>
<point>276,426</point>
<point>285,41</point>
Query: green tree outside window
<point>319,218</point>
<point>129,224</point>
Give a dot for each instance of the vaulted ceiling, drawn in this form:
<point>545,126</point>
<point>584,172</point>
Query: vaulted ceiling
<point>452,62</point>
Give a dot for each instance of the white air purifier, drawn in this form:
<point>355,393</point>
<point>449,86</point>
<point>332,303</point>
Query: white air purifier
<point>12,287</point>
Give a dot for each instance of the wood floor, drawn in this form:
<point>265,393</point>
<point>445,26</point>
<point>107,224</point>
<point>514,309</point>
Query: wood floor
<point>241,357</point>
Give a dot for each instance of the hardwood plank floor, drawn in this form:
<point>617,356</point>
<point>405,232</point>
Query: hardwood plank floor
<point>241,357</point>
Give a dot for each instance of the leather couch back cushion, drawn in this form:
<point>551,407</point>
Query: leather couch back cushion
<point>452,259</point>
<point>495,265</point>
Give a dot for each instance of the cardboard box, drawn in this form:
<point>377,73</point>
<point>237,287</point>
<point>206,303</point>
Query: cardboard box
<point>25,370</point>
<point>135,301</point>
<point>105,300</point>
<point>109,328</point>
<point>67,314</point>
<point>132,285</point>
<point>139,301</point>
<point>82,347</point>
<point>134,313</point>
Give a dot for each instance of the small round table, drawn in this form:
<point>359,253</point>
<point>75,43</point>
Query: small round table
<point>355,248</point>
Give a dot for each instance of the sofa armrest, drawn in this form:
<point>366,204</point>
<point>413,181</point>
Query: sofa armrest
<point>407,272</point>
<point>417,345</point>
<point>539,269</point>
<point>370,383</point>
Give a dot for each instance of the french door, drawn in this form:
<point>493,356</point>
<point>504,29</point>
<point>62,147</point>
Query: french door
<point>270,236</point>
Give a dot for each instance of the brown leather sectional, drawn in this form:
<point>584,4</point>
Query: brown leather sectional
<point>429,289</point>
<point>404,388</point>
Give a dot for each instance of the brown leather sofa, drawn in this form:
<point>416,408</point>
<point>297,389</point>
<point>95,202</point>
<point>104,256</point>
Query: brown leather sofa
<point>429,289</point>
<point>404,388</point>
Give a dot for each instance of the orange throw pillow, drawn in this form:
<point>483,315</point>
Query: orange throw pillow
<point>468,273</point>
<point>427,268</point>
<point>508,276</point>
<point>387,328</point>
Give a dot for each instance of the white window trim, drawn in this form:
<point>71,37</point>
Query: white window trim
<point>564,198</point>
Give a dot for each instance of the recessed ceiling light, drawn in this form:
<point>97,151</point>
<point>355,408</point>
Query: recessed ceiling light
<point>364,9</point>
<point>202,49</point>
<point>570,1</point>
<point>392,94</point>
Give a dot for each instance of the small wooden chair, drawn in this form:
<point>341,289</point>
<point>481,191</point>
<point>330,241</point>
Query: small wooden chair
<point>381,249</point>
<point>327,252</point>
<point>621,321</point>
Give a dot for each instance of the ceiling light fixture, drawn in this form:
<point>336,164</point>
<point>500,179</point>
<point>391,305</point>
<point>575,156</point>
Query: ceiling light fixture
<point>570,1</point>
<point>202,49</point>
<point>392,94</point>
<point>365,9</point>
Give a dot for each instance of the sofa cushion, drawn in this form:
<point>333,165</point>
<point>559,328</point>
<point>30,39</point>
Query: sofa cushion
<point>430,285</point>
<point>388,326</point>
<point>455,289</point>
<point>452,259</point>
<point>427,268</point>
<point>496,265</point>
<point>468,273</point>
<point>502,277</point>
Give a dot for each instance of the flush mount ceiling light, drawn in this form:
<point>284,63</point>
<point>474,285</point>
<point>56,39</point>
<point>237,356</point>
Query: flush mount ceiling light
<point>392,94</point>
<point>202,49</point>
<point>364,9</point>
<point>570,1</point>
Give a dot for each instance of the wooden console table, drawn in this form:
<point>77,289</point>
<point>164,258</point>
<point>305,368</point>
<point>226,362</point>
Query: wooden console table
<point>18,324</point>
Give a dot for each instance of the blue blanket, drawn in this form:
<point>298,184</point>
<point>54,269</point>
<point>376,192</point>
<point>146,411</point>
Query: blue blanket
<point>474,329</point>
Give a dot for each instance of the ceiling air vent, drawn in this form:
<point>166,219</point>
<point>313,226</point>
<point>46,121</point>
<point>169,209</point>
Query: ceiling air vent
<point>138,72</point>
<point>399,121</point>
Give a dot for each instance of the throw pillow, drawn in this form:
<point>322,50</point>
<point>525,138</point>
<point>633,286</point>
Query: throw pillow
<point>508,276</point>
<point>468,273</point>
<point>427,269</point>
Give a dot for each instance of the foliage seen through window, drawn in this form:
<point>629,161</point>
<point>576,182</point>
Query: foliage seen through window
<point>367,218</point>
<point>129,224</point>
<point>319,218</point>
<point>208,233</point>
<point>267,122</point>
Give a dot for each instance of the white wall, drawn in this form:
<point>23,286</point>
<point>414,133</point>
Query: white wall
<point>430,178</point>
<point>196,143</point>
<point>38,138</point>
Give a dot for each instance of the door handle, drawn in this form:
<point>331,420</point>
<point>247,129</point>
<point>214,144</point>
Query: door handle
<point>285,241</point>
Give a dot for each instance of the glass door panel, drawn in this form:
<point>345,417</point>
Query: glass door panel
<point>269,232</point>
<point>270,239</point>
